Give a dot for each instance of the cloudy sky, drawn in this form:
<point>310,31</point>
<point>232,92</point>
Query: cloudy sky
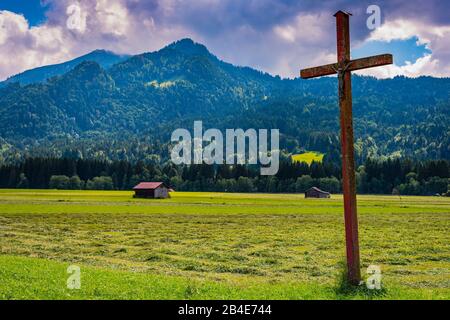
<point>277,36</point>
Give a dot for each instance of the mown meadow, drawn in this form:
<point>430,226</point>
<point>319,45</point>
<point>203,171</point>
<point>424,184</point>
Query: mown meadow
<point>217,246</point>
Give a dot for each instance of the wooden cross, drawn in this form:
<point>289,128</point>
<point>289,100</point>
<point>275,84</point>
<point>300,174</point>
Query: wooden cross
<point>343,69</point>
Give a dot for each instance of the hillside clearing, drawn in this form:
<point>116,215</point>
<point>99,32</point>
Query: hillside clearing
<point>308,157</point>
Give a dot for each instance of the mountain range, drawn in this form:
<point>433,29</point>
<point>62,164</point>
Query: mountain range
<point>102,57</point>
<point>108,106</point>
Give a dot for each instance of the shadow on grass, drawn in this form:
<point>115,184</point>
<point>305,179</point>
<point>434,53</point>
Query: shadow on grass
<point>346,291</point>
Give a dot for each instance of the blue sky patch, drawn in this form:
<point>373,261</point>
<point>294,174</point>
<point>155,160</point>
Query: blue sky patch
<point>32,10</point>
<point>403,50</point>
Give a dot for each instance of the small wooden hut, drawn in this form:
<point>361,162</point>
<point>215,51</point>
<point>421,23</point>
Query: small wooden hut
<point>315,192</point>
<point>152,190</point>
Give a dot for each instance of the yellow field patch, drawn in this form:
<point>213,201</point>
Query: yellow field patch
<point>308,157</point>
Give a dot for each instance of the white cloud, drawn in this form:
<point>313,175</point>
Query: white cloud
<point>421,67</point>
<point>111,25</point>
<point>12,26</point>
<point>22,47</point>
<point>305,41</point>
<point>112,17</point>
<point>312,31</point>
<point>403,29</point>
<point>434,37</point>
<point>268,35</point>
<point>104,24</point>
<point>305,29</point>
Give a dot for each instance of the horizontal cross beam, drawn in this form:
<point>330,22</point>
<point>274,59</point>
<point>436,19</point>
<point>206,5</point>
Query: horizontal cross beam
<point>353,65</point>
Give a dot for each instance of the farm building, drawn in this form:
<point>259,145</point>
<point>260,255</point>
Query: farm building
<point>155,190</point>
<point>316,193</point>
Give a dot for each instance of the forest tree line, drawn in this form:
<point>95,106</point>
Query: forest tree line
<point>392,176</point>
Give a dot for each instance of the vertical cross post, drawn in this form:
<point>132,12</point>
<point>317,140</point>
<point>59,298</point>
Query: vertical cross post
<point>343,68</point>
<point>347,148</point>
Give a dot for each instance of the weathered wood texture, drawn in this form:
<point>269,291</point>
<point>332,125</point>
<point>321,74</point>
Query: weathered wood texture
<point>343,68</point>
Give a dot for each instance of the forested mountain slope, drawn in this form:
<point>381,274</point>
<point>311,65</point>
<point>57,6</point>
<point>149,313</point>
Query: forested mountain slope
<point>128,111</point>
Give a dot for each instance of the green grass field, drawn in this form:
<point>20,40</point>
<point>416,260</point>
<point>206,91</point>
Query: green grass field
<point>308,157</point>
<point>217,246</point>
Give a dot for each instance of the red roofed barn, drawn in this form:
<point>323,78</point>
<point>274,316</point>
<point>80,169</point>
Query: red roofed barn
<point>155,190</point>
